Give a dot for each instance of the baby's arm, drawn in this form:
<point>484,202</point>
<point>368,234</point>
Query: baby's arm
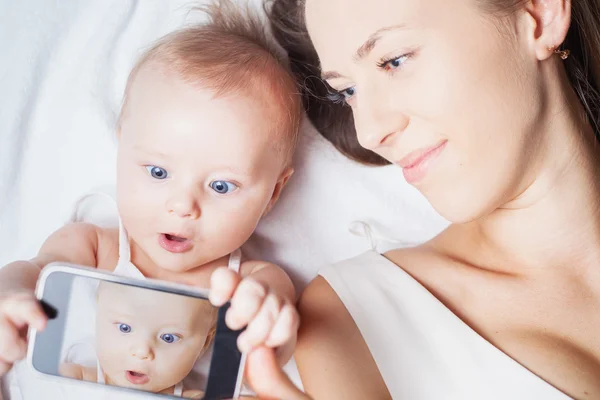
<point>262,298</point>
<point>69,370</point>
<point>271,277</point>
<point>73,243</point>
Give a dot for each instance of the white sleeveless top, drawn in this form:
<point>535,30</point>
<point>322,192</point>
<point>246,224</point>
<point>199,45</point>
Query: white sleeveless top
<point>422,349</point>
<point>126,268</point>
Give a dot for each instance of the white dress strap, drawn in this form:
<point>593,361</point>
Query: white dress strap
<point>374,235</point>
<point>124,248</point>
<point>235,259</point>
<point>178,391</point>
<point>100,373</point>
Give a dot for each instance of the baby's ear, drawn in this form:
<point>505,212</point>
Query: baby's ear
<point>281,182</point>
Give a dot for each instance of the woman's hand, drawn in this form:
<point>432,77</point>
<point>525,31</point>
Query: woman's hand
<point>267,379</point>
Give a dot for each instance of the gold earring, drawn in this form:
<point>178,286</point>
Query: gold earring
<point>563,54</point>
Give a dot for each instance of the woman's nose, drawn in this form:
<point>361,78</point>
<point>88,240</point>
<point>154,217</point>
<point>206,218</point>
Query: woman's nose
<point>378,120</point>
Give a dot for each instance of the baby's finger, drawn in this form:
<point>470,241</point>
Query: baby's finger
<point>12,346</point>
<point>285,327</point>
<point>25,310</point>
<point>223,282</point>
<point>260,327</point>
<point>246,302</point>
<point>4,367</point>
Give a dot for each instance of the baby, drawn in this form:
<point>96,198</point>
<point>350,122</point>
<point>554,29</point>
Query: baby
<point>205,140</point>
<point>147,340</point>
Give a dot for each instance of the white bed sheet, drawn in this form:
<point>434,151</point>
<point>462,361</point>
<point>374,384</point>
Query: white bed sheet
<point>63,68</point>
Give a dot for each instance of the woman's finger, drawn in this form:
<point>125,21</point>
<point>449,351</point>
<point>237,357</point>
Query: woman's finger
<point>267,379</point>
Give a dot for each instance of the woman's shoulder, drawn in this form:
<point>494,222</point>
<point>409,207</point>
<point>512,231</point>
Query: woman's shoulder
<point>333,359</point>
<point>340,307</point>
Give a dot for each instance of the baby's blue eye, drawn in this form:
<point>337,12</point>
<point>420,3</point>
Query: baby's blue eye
<point>223,187</point>
<point>170,338</point>
<point>157,172</point>
<point>124,328</point>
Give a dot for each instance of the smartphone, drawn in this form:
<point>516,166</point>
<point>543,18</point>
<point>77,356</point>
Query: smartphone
<point>160,338</point>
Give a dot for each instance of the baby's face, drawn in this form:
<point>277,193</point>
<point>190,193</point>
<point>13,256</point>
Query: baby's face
<point>195,173</point>
<point>149,340</point>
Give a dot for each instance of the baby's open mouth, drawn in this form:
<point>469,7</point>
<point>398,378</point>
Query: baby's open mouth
<point>175,238</point>
<point>173,243</point>
<point>137,378</point>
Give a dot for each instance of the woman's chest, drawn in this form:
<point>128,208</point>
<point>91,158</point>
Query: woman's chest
<point>550,329</point>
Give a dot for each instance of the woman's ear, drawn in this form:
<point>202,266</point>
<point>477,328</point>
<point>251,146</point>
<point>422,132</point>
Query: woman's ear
<point>549,22</point>
<point>281,182</point>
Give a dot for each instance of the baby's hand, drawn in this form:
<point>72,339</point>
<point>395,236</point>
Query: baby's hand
<point>271,319</point>
<point>18,311</point>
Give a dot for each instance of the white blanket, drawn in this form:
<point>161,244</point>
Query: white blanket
<point>63,68</point>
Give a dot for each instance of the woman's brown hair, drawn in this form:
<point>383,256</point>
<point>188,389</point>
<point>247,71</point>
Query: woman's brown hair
<point>334,120</point>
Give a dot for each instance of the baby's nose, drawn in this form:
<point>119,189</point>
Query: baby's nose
<point>142,351</point>
<point>184,207</point>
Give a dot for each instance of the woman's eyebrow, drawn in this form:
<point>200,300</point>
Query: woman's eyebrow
<point>364,50</point>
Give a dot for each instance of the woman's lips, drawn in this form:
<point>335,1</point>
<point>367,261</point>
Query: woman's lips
<point>416,164</point>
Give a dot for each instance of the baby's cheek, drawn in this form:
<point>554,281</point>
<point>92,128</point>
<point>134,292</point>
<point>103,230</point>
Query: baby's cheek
<point>236,234</point>
<point>172,367</point>
<point>187,358</point>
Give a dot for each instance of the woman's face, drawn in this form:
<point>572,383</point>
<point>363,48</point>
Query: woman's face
<point>441,89</point>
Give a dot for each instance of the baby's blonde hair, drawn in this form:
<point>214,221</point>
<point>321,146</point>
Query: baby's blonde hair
<point>231,54</point>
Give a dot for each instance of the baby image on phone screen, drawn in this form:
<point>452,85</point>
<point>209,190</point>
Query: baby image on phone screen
<point>147,340</point>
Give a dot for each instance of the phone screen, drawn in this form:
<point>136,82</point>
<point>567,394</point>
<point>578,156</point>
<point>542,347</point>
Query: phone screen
<point>123,334</point>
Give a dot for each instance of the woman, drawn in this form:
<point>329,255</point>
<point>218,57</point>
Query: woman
<point>491,108</point>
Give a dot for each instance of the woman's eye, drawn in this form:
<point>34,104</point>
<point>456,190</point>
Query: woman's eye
<point>157,172</point>
<point>393,63</point>
<point>170,338</point>
<point>341,96</point>
<point>124,328</point>
<point>223,187</point>
<point>348,93</point>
